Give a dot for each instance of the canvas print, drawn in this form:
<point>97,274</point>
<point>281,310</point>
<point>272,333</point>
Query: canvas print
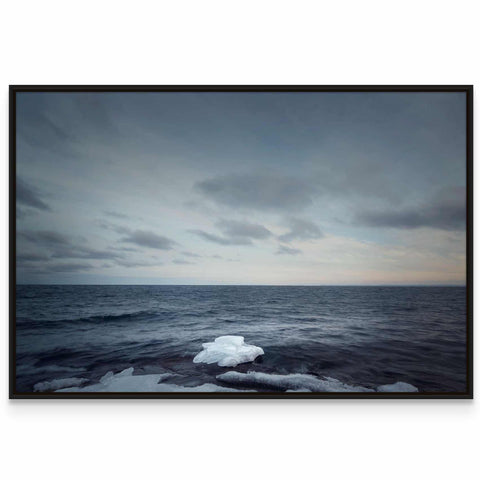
<point>240,242</point>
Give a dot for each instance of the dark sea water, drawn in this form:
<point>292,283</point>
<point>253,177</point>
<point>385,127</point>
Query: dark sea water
<point>363,336</point>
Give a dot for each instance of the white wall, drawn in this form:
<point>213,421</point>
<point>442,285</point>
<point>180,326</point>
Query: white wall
<point>217,42</point>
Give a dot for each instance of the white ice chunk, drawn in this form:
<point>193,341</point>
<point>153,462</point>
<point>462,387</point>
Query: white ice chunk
<point>58,383</point>
<point>228,351</point>
<point>128,372</point>
<point>397,387</point>
<point>206,387</point>
<point>107,377</point>
<point>126,382</point>
<point>294,381</point>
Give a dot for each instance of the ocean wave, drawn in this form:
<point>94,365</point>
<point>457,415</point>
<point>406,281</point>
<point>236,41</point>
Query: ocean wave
<point>47,369</point>
<point>138,315</point>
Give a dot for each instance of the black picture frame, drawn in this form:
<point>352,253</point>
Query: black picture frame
<point>14,89</point>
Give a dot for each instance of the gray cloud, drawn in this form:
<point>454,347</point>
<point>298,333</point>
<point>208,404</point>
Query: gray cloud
<point>301,229</point>
<point>45,237</point>
<point>235,229</point>
<point>48,268</point>
<point>31,257</point>
<point>191,254</point>
<point>30,196</point>
<point>76,251</point>
<point>110,213</point>
<point>40,131</point>
<point>284,250</point>
<point>183,262</point>
<point>258,192</point>
<point>137,263</point>
<point>221,240</point>
<point>148,239</point>
<point>106,225</point>
<point>125,249</point>
<point>445,211</point>
<point>61,124</point>
<point>142,238</point>
<point>68,267</point>
<point>61,247</point>
<point>235,233</point>
<point>21,213</point>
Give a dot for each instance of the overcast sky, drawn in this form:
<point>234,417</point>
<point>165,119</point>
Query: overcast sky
<point>241,188</point>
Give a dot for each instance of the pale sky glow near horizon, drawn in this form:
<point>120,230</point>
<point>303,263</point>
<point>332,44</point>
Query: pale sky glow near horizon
<point>316,188</point>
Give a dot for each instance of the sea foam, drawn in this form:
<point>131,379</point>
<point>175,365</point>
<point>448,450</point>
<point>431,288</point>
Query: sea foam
<point>228,351</point>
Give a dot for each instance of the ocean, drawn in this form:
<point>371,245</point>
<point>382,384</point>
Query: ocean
<point>359,336</point>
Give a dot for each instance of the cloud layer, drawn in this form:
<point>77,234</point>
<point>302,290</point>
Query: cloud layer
<point>235,232</point>
<point>301,229</point>
<point>144,238</point>
<point>284,250</point>
<point>29,196</point>
<point>293,188</point>
<point>446,211</point>
<point>271,192</point>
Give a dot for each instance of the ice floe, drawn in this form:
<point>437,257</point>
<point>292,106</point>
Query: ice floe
<point>58,383</point>
<point>228,351</point>
<point>397,387</point>
<point>299,382</point>
<point>293,381</point>
<point>126,382</point>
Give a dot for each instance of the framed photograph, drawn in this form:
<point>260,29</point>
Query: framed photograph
<point>241,241</point>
